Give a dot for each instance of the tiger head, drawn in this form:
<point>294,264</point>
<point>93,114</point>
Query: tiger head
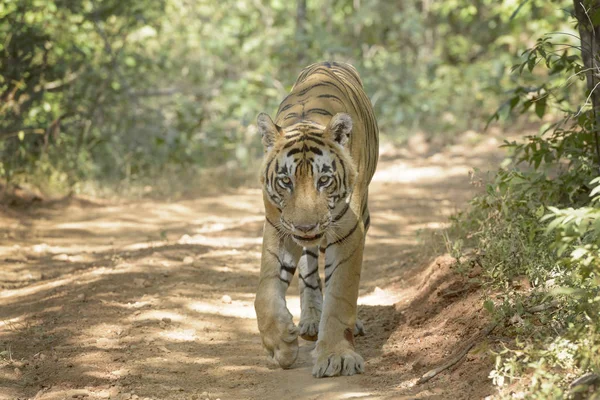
<point>307,173</point>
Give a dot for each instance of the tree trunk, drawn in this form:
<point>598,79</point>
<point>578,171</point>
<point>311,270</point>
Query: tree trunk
<point>589,33</point>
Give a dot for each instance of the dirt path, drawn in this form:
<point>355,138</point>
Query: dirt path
<point>154,299</point>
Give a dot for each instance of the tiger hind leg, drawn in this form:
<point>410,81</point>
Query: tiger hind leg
<point>311,297</point>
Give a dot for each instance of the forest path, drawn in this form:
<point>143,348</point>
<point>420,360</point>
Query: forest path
<point>153,300</point>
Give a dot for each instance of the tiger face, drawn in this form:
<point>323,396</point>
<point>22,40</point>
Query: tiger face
<point>307,173</point>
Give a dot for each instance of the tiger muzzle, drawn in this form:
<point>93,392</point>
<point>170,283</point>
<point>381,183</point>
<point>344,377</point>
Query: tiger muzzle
<point>307,234</point>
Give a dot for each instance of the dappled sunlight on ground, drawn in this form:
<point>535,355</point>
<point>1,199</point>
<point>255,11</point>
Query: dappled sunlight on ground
<point>155,299</point>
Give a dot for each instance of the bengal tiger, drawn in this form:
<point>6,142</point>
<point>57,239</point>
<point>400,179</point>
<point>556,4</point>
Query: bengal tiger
<point>320,155</point>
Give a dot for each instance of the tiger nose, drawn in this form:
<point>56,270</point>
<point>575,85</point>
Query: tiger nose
<point>305,228</point>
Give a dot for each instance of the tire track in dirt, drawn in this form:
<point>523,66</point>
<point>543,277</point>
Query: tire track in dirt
<point>153,299</point>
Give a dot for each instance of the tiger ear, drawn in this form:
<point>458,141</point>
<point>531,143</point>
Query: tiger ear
<point>339,128</point>
<point>268,130</point>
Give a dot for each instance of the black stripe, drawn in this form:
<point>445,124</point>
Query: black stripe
<point>290,115</point>
<point>284,100</point>
<point>368,222</point>
<point>326,83</point>
<point>337,185</point>
<point>322,249</point>
<point>308,136</point>
<point>286,107</point>
<point>268,166</point>
<point>272,224</point>
<point>340,215</point>
<point>271,179</point>
<point>283,280</point>
<point>344,176</point>
<point>290,144</point>
<point>310,253</point>
<point>327,277</point>
<point>308,285</point>
<point>364,205</point>
<point>345,237</point>
<point>329,96</point>
<point>285,267</point>
<point>314,271</point>
<point>311,87</point>
<point>288,268</point>
<point>316,150</point>
<point>320,111</point>
<point>317,133</point>
<point>313,139</point>
<point>293,151</point>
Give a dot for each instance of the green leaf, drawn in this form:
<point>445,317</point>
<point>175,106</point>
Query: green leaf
<point>554,224</point>
<point>531,63</point>
<point>489,306</point>
<point>578,253</point>
<point>540,106</point>
<point>595,17</point>
<point>539,213</point>
<point>513,102</point>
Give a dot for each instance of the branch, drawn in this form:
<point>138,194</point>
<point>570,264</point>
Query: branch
<point>109,49</point>
<point>30,130</point>
<point>156,92</point>
<point>483,333</point>
<point>59,83</point>
<point>432,373</point>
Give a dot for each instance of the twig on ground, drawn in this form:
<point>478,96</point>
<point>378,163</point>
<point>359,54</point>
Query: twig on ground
<point>432,373</point>
<point>586,379</point>
<point>485,332</point>
<point>579,388</point>
<point>543,307</point>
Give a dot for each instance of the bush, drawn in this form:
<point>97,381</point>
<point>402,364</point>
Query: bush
<point>117,92</point>
<point>538,229</point>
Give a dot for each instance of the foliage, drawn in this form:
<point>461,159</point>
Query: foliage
<point>538,228</point>
<point>112,91</point>
<point>529,264</point>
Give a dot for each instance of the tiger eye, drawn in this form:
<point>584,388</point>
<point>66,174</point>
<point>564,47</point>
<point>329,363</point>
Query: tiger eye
<point>286,180</point>
<point>324,179</point>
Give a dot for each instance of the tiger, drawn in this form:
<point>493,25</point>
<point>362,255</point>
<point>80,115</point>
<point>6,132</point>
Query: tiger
<point>320,154</point>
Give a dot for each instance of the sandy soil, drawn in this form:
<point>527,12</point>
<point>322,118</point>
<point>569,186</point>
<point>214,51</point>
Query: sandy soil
<point>153,300</point>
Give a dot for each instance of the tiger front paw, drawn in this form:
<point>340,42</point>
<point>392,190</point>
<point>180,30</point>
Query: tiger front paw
<point>280,341</point>
<point>344,362</point>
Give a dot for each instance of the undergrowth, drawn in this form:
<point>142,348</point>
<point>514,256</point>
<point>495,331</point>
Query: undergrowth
<point>537,233</point>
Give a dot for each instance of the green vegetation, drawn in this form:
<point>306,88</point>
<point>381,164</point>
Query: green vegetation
<point>537,226</point>
<point>121,94</point>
